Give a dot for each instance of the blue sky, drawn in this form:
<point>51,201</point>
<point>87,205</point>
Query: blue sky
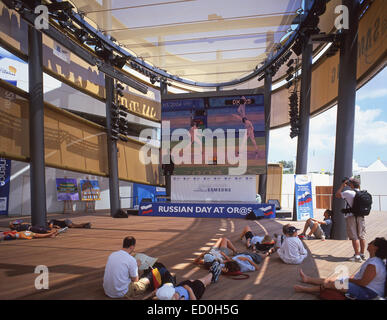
<point>370,131</point>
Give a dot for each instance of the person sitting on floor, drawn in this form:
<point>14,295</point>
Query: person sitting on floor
<point>190,289</point>
<point>121,270</point>
<point>368,283</point>
<point>54,223</point>
<point>222,249</point>
<point>26,235</point>
<point>292,251</point>
<point>320,229</point>
<point>281,237</point>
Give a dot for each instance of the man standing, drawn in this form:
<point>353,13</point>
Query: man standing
<point>121,270</point>
<point>356,230</point>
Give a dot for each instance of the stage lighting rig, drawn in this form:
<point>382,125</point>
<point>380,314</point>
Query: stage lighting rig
<point>119,61</point>
<point>294,115</point>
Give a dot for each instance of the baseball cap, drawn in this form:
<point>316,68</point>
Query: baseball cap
<point>165,292</point>
<point>291,230</point>
<point>208,258</point>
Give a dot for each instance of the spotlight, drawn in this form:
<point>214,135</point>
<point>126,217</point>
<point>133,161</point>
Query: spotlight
<point>289,84</point>
<point>59,6</point>
<point>101,51</point>
<point>261,77</point>
<point>291,61</point>
<point>119,61</point>
<point>81,35</point>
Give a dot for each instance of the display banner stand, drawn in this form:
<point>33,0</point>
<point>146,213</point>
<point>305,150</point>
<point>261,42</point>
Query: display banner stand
<point>90,206</point>
<point>68,206</point>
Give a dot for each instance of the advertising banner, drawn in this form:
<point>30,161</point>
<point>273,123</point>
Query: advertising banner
<point>67,189</point>
<point>213,188</point>
<point>206,210</point>
<point>90,190</point>
<point>5,173</point>
<point>303,193</point>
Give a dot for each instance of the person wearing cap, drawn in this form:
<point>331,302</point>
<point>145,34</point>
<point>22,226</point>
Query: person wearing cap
<point>222,249</point>
<point>121,270</point>
<point>189,289</point>
<point>356,229</point>
<point>320,229</point>
<point>292,251</point>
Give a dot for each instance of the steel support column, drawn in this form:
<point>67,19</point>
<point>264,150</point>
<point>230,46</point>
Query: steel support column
<point>345,114</point>
<point>267,103</point>
<point>114,187</point>
<point>304,112</point>
<point>36,118</point>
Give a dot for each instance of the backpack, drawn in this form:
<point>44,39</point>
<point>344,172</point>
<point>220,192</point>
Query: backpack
<point>361,204</point>
<point>251,216</point>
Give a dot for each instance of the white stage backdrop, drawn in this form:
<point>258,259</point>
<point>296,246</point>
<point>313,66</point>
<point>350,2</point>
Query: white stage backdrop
<point>213,188</point>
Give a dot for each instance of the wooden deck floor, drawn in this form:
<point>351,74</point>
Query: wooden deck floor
<point>76,259</point>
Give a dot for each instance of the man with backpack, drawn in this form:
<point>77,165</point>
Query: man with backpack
<point>358,204</point>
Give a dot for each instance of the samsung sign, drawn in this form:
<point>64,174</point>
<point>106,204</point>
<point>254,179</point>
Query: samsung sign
<point>206,210</point>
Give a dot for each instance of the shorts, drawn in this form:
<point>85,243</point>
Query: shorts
<point>26,235</point>
<point>319,233</point>
<point>248,235</point>
<point>138,287</point>
<point>226,251</point>
<point>197,287</point>
<point>359,293</point>
<point>355,228</point>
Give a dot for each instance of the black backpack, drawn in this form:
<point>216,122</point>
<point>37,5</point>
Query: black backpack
<point>361,204</point>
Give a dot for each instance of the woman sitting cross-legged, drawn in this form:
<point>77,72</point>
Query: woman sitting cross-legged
<point>368,283</point>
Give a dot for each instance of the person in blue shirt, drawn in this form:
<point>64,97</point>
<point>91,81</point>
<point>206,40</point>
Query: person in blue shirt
<point>320,229</point>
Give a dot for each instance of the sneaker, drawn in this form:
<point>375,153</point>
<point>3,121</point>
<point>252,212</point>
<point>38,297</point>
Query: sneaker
<point>216,270</point>
<point>363,257</point>
<point>63,230</point>
<point>355,258</point>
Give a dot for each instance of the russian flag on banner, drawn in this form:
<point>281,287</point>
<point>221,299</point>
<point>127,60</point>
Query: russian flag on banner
<point>146,209</point>
<point>306,197</point>
<point>267,211</point>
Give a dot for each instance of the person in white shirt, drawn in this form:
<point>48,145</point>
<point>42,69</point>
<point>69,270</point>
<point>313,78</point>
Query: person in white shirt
<point>356,230</point>
<point>292,251</point>
<point>368,283</point>
<point>121,270</point>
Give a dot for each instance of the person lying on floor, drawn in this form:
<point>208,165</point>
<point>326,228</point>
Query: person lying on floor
<point>244,262</point>
<point>190,289</point>
<point>26,235</point>
<point>222,250</point>
<point>253,241</point>
<point>54,223</point>
<point>19,225</point>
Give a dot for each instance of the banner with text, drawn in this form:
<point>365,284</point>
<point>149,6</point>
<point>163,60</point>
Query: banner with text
<point>5,173</point>
<point>303,193</point>
<point>206,210</point>
<point>213,188</point>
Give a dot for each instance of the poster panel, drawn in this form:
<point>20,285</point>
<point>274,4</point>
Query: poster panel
<point>67,189</point>
<point>303,193</point>
<point>90,190</point>
<point>213,188</point>
<point>5,174</point>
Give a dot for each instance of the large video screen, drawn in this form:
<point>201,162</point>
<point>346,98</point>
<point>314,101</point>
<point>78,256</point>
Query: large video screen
<point>215,134</point>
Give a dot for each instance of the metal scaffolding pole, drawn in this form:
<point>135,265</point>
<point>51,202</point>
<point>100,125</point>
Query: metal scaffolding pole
<point>345,114</point>
<point>267,103</point>
<point>36,117</point>
<point>303,136</point>
<point>114,187</point>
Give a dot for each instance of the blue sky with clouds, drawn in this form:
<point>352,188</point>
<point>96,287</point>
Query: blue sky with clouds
<point>370,131</point>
